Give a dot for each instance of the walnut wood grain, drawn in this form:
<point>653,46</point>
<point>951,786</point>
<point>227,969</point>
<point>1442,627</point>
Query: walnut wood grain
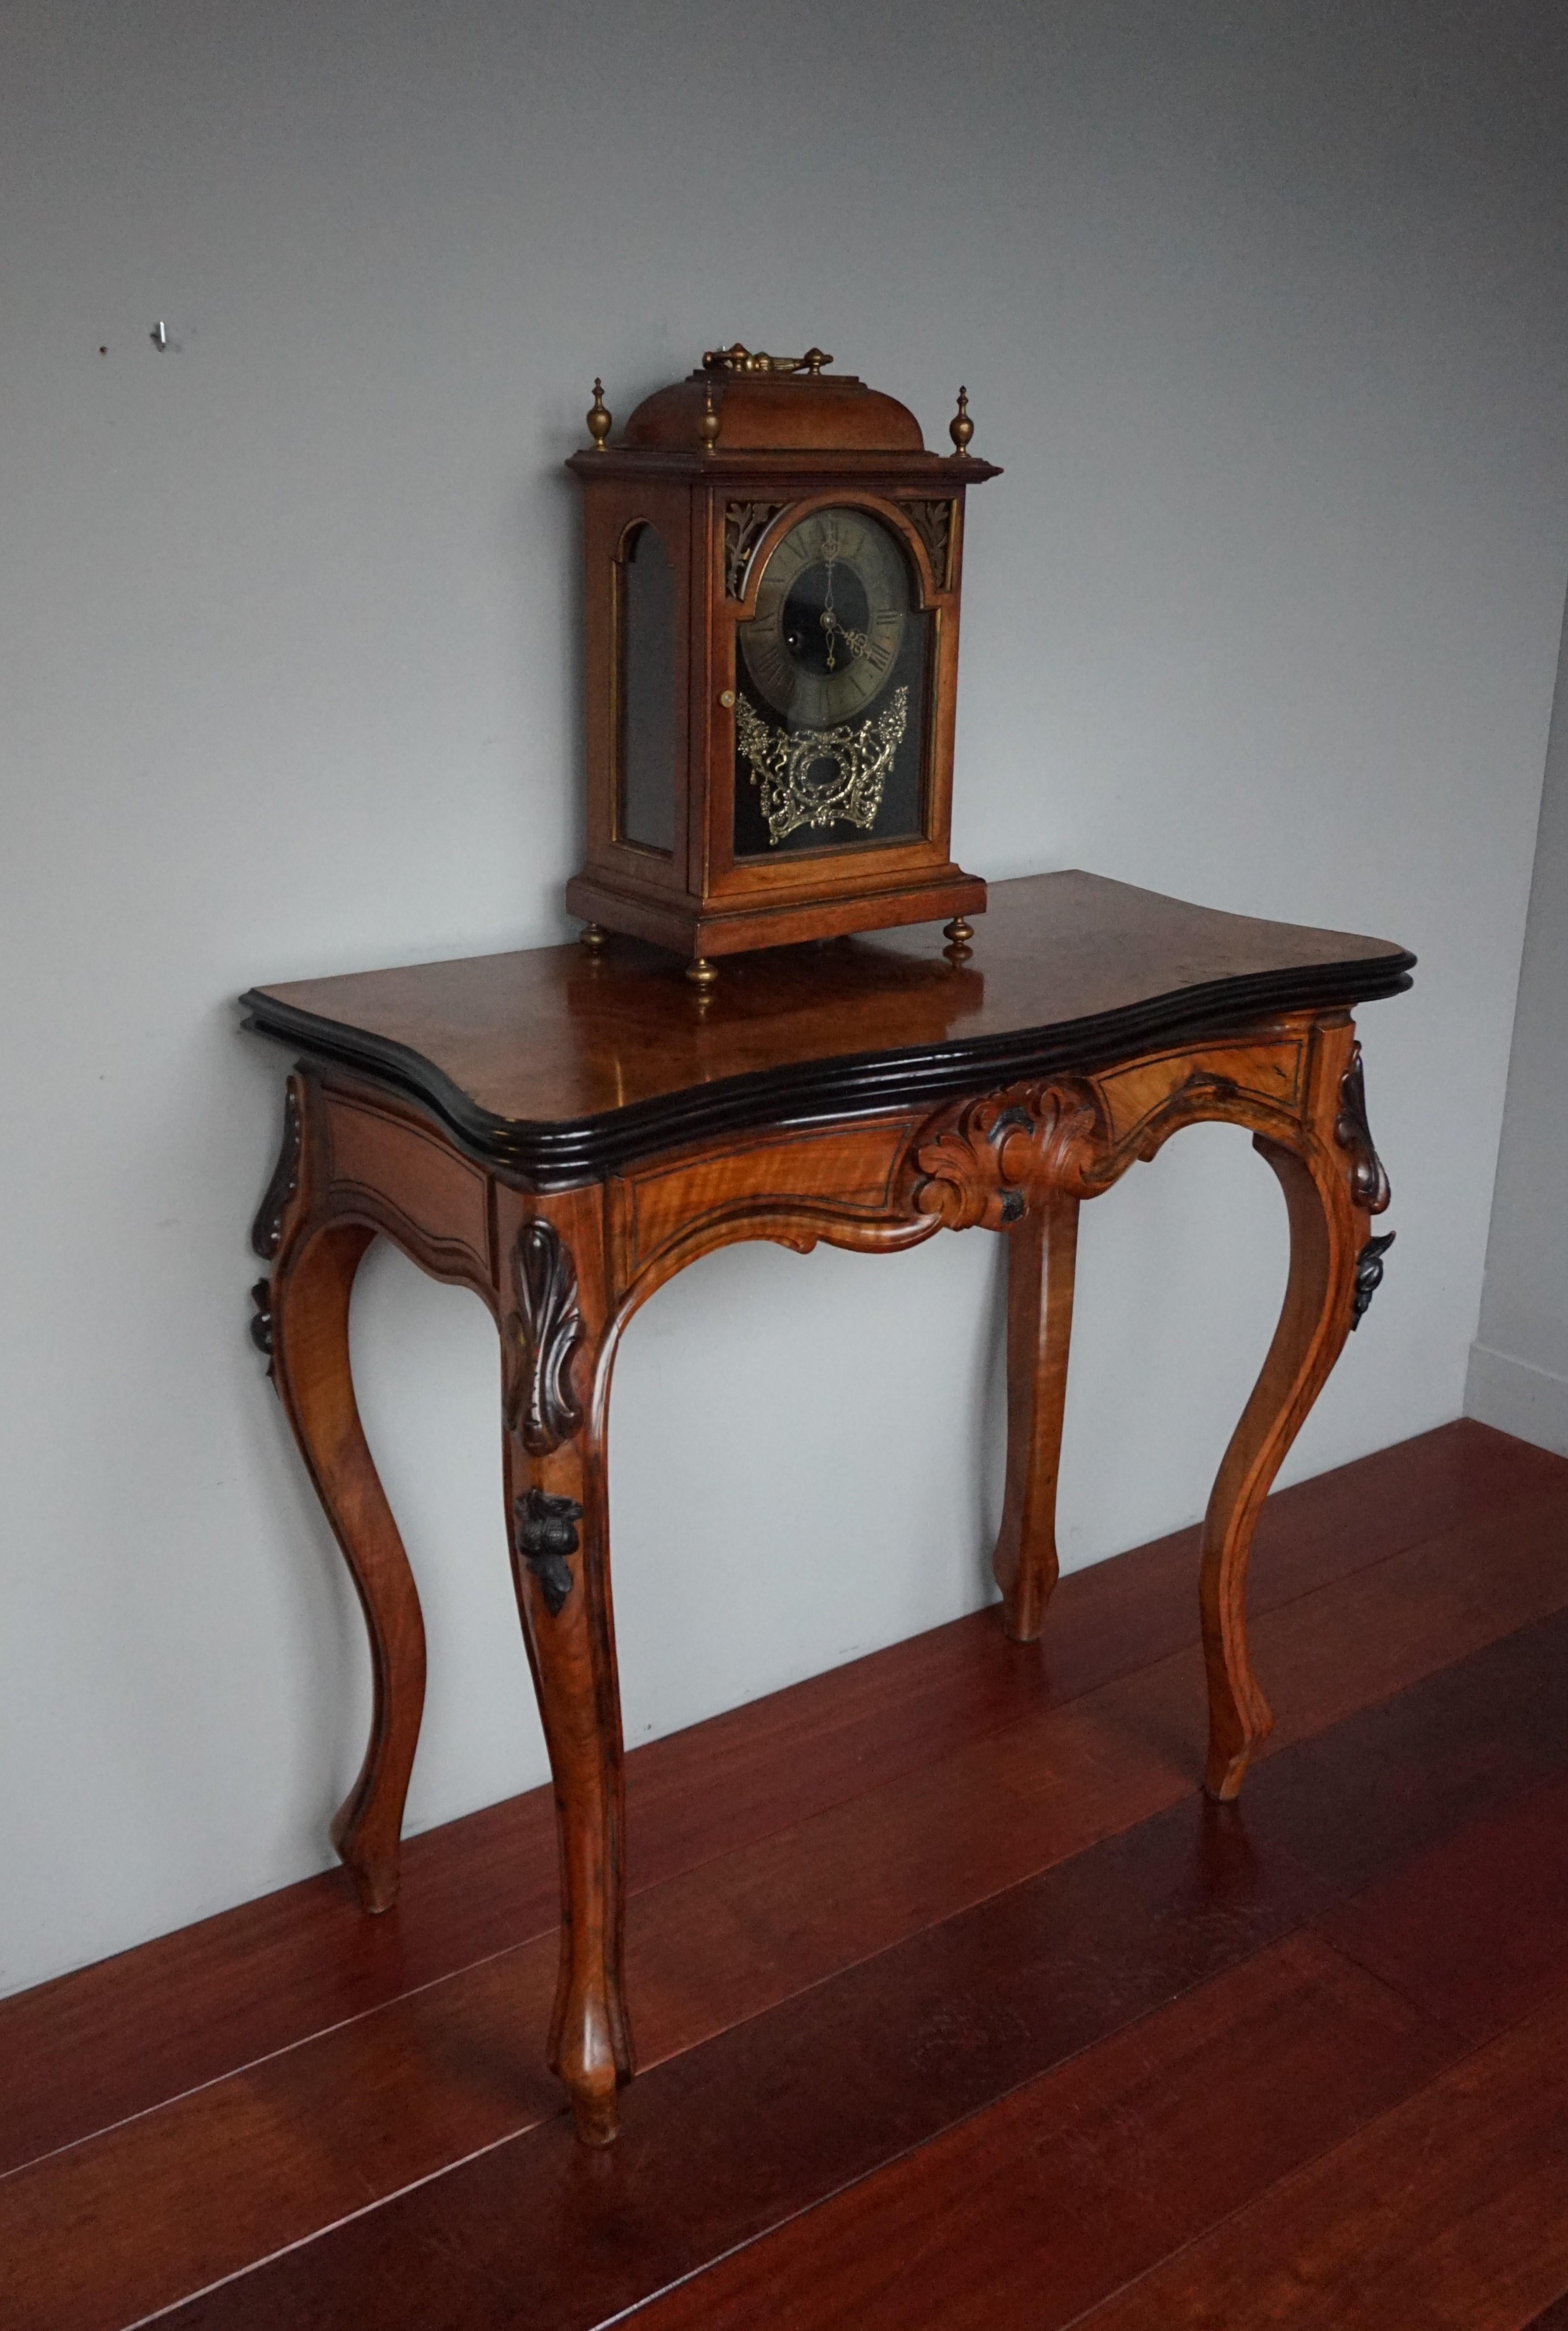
<point>557,1064</point>
<point>750,1120</point>
<point>1041,1263</point>
<point>569,1630</point>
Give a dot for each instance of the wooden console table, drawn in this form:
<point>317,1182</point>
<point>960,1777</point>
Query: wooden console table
<point>563,1130</point>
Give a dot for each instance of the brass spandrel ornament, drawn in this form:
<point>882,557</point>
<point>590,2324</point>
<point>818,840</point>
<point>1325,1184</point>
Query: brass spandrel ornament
<point>773,564</point>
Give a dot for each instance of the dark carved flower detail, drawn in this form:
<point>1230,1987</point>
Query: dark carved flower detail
<point>1368,1275</point>
<point>260,1324</point>
<point>546,1528</point>
<point>1368,1181</point>
<point>543,1410</point>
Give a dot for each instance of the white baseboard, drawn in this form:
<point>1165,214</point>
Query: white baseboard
<point>1529,1403</point>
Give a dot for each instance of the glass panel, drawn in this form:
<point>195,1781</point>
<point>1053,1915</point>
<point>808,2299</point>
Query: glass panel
<point>831,683</point>
<point>646,738</point>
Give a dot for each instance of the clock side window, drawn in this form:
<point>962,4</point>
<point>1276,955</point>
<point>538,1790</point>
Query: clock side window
<point>645,744</point>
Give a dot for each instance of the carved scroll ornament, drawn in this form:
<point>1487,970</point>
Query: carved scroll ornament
<point>547,1529</point>
<point>1368,1181</point>
<point>978,1172</point>
<point>546,1329</point>
<point>267,1230</point>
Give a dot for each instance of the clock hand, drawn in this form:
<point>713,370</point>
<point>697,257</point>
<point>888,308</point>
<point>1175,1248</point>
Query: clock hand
<point>856,641</point>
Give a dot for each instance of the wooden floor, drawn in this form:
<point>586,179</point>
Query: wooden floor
<point>956,2005</point>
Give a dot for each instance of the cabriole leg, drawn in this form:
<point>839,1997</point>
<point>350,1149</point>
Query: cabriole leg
<point>1314,1322</point>
<point>558,1512</point>
<point>1041,1259</point>
<point>309,1332</point>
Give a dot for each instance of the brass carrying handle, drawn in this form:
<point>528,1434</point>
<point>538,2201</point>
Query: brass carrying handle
<point>740,358</point>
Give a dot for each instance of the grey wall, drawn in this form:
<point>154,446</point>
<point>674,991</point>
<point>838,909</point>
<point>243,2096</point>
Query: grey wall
<point>1518,1374</point>
<point>1262,307</point>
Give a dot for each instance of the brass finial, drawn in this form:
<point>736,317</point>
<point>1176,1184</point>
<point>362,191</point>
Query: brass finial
<point>961,428</point>
<point>598,418</point>
<point>708,423</point>
<point>815,358</point>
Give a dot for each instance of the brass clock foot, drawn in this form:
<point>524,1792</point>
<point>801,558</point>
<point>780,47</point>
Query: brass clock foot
<point>958,934</point>
<point>702,974</point>
<point>592,936</point>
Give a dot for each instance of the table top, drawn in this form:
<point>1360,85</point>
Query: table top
<point>557,1064</point>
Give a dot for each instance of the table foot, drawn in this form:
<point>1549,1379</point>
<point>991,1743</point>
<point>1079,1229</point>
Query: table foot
<point>597,2119</point>
<point>376,1876</point>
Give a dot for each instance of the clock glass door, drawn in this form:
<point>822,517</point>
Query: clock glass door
<point>832,682</point>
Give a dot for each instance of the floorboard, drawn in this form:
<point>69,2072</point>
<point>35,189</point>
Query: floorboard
<point>1451,2208</point>
<point>1043,2205</point>
<point>939,1887</point>
<point>1032,2212</point>
<point>89,2050</point>
<point>793,2090</point>
<point>1474,1932</point>
<point>175,2199</point>
<point>730,2137</point>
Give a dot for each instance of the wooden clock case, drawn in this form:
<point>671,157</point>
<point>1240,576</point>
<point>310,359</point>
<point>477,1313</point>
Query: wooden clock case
<point>723,464</point>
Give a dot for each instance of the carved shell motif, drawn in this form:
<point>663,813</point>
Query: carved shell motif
<point>977,1173</point>
<point>548,1328</point>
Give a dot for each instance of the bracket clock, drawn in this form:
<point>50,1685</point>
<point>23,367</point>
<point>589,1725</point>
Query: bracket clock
<point>772,648</point>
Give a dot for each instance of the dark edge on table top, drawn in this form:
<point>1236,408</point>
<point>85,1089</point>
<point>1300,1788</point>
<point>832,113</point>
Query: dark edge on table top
<point>547,1156</point>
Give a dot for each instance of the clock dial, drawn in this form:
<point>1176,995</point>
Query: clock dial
<point>830,613</point>
<point>830,712</point>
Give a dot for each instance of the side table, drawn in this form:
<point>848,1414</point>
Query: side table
<point>563,1130</point>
